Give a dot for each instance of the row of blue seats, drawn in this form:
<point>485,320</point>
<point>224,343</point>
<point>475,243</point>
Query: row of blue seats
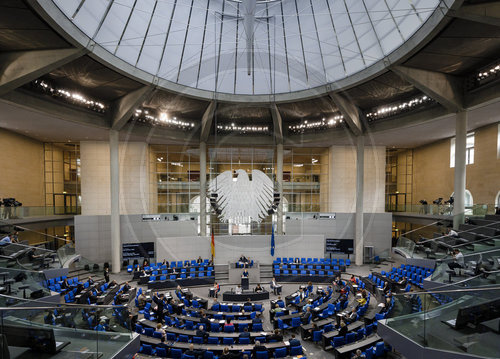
<point>154,278</point>
<point>303,272</point>
<point>335,308</point>
<point>214,327</point>
<point>325,267</point>
<point>173,264</point>
<point>442,298</point>
<point>348,338</point>
<point>333,261</point>
<point>235,308</point>
<point>70,296</point>
<point>417,305</point>
<point>55,284</point>
<point>178,354</point>
<point>185,338</point>
<point>184,270</point>
<point>415,275</point>
<point>164,269</point>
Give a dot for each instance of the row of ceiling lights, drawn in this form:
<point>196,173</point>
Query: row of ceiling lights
<point>394,109</point>
<point>162,119</point>
<point>314,125</point>
<point>69,96</point>
<point>494,70</point>
<point>242,129</point>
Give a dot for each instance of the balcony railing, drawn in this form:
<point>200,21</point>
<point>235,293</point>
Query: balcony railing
<point>36,211</point>
<point>443,209</point>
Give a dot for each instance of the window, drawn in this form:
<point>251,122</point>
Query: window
<point>469,201</point>
<point>498,142</point>
<point>469,150</point>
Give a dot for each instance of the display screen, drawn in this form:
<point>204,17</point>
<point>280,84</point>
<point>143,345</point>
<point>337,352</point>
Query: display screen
<point>138,250</point>
<point>344,246</point>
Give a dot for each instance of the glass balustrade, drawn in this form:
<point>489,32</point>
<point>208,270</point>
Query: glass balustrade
<point>35,211</point>
<point>462,321</point>
<point>43,327</point>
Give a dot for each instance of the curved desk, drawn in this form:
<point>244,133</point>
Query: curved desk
<point>243,297</point>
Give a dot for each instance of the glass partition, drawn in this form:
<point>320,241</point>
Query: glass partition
<point>29,257</point>
<point>99,331</point>
<point>480,269</point>
<point>441,209</point>
<point>21,283</point>
<point>459,321</point>
<point>34,211</point>
<point>68,258</point>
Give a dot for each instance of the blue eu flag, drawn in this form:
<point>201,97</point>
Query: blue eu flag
<point>272,240</point>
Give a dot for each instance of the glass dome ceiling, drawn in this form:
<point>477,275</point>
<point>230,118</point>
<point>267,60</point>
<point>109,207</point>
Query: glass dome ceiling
<point>249,47</point>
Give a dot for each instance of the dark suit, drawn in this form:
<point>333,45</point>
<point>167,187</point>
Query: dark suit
<point>305,317</point>
<point>343,331</point>
<point>162,345</point>
<point>259,348</point>
<point>194,353</point>
<point>294,342</point>
<point>276,337</point>
<point>159,308</point>
<point>201,333</point>
<point>244,335</point>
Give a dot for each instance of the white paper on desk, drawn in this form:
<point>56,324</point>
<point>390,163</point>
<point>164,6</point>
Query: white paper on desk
<point>212,320</point>
<point>143,319</point>
<point>219,312</point>
<point>263,333</point>
<point>317,308</point>
<point>221,322</point>
<point>287,343</point>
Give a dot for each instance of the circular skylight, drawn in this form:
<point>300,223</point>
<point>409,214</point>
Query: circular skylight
<point>249,47</point>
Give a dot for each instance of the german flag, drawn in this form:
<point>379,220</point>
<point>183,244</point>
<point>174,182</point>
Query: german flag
<point>212,245</point>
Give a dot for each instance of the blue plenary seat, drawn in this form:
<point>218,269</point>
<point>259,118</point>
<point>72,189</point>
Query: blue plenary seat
<point>280,352</point>
<point>296,350</point>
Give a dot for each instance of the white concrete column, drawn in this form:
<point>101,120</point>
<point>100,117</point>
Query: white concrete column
<point>460,171</point>
<point>358,225</point>
<point>279,179</point>
<point>203,189</point>
<point>114,169</point>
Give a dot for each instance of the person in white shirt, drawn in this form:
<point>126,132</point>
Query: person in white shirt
<point>5,240</point>
<point>459,260</point>
<point>274,286</point>
<point>238,289</point>
<point>452,233</point>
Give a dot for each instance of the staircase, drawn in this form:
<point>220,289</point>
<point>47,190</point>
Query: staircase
<point>266,272</point>
<point>221,273</point>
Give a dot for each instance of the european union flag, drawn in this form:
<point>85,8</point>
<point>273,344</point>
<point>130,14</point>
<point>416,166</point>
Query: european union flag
<point>272,240</point>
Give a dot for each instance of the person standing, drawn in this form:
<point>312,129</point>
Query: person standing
<point>106,274</point>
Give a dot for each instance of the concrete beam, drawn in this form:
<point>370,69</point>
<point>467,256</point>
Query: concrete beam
<point>349,111</point>
<point>20,67</point>
<point>485,13</point>
<point>123,108</point>
<point>277,124</point>
<point>445,89</point>
<point>206,121</point>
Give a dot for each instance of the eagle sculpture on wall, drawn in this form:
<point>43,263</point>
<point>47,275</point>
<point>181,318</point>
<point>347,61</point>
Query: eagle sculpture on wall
<point>240,199</point>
